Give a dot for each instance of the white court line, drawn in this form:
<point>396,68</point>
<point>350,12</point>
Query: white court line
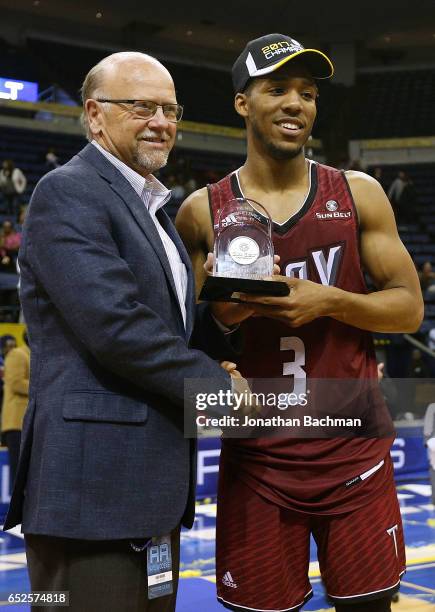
<point>425,490</point>
<point>410,510</point>
<point>207,534</point>
<point>15,531</point>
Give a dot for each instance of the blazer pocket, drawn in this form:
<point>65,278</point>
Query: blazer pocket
<point>103,407</point>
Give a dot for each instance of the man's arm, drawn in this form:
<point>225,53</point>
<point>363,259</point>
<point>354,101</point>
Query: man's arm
<point>71,251</point>
<point>397,306</point>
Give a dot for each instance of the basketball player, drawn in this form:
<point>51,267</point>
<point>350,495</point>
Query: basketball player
<point>329,226</point>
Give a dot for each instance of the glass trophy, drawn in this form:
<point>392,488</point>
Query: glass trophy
<point>243,253</point>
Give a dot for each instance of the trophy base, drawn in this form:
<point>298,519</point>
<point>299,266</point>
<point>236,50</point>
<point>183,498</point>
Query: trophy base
<point>221,288</point>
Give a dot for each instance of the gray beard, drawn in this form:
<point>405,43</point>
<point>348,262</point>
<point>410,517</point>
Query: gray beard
<point>151,162</point>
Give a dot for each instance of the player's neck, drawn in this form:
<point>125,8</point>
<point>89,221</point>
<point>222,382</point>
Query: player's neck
<point>267,174</point>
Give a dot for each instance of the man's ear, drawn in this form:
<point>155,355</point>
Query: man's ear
<point>94,116</point>
<point>241,104</point>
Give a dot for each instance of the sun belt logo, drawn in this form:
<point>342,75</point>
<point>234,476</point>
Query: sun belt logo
<point>332,206</point>
<point>228,581</point>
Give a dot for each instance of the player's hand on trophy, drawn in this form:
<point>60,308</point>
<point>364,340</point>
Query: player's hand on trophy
<point>306,301</point>
<point>231,313</point>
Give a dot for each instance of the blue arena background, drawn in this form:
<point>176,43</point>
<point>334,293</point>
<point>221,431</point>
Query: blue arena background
<point>408,453</point>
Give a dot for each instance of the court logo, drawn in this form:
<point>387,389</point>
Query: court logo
<point>331,205</point>
<point>228,581</point>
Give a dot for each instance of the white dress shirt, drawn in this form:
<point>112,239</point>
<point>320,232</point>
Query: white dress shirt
<point>154,195</point>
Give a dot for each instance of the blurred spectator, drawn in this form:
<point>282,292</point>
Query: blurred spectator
<point>21,217</point>
<point>408,202</point>
<point>398,356</point>
<point>7,343</point>
<point>12,185</point>
<point>15,397</point>
<point>176,187</point>
<point>10,241</point>
<point>388,389</point>
<point>419,368</point>
<point>51,159</point>
<point>431,339</point>
<point>379,176</point>
<point>426,276</point>
<point>403,197</point>
<point>396,189</point>
<point>190,186</point>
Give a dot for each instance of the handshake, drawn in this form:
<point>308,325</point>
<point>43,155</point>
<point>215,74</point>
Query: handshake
<point>247,401</point>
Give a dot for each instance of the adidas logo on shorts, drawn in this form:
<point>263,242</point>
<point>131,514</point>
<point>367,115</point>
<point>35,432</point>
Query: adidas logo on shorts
<point>228,581</point>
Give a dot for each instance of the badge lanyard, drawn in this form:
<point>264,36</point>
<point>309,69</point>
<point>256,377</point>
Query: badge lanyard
<point>159,565</point>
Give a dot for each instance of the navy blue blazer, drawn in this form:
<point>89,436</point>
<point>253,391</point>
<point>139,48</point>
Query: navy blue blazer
<point>103,454</point>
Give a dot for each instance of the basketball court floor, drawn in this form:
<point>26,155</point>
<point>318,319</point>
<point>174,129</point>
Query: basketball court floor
<point>197,583</point>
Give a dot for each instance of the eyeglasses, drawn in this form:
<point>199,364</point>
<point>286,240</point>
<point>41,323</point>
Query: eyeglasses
<point>145,109</point>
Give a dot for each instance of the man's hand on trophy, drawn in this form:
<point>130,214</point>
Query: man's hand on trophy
<point>306,301</point>
<point>232,313</point>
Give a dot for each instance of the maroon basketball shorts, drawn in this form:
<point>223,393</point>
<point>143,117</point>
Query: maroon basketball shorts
<point>263,550</point>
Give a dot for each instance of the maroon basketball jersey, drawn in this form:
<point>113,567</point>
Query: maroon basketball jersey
<point>319,243</point>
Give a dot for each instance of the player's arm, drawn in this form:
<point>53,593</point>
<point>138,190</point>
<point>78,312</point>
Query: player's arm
<point>397,306</point>
<point>194,225</point>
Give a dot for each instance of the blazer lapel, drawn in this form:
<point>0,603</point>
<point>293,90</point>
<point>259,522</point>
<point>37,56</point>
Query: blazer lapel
<point>136,206</point>
<point>169,228</point>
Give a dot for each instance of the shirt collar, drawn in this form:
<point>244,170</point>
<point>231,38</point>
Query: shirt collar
<point>151,191</point>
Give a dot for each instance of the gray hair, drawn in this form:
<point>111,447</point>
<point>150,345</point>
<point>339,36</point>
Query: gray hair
<point>90,88</point>
<point>94,81</point>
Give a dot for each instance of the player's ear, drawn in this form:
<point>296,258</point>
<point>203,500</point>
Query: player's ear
<point>241,104</point>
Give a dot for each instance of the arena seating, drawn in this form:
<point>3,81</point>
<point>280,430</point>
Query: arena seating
<point>394,104</point>
<point>28,148</point>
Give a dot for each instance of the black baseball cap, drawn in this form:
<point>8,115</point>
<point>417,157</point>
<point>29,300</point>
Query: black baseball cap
<point>268,53</point>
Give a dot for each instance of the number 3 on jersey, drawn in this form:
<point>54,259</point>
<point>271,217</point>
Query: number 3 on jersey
<point>295,368</point>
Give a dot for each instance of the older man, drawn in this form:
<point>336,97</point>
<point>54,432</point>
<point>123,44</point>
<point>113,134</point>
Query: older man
<point>106,476</point>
